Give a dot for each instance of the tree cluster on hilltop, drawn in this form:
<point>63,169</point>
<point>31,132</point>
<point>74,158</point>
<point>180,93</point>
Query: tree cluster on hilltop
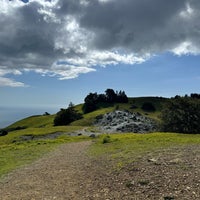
<point>93,100</point>
<point>182,114</point>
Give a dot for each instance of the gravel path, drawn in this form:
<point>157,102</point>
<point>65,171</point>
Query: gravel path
<point>69,173</point>
<point>56,176</point>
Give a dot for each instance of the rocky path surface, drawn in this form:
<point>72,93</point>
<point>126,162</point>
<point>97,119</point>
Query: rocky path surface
<point>55,176</point>
<point>69,173</point>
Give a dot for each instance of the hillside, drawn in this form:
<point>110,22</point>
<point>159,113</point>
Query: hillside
<point>133,105</point>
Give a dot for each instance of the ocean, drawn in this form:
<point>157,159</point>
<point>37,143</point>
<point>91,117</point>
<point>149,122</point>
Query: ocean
<point>9,115</point>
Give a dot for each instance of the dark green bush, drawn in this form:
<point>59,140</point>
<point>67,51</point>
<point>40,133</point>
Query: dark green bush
<point>106,139</point>
<point>3,132</point>
<point>148,106</point>
<point>66,116</point>
<point>181,115</point>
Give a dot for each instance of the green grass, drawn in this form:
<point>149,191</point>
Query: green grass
<point>15,135</point>
<point>120,148</point>
<point>37,121</point>
<point>15,155</point>
<point>15,152</point>
<point>89,118</point>
<point>125,148</point>
<point>19,154</point>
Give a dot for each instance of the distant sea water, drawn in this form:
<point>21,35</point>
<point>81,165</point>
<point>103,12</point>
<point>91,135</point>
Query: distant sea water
<point>9,115</point>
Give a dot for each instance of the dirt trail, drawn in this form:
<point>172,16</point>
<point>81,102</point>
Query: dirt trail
<point>69,173</point>
<point>56,176</point>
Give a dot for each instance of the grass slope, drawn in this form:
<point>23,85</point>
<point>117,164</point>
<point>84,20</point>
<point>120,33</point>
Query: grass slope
<point>37,121</point>
<point>41,121</point>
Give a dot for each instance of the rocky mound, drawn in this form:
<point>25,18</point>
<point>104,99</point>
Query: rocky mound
<point>125,121</point>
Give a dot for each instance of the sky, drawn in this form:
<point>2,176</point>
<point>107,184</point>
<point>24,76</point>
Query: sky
<point>53,52</point>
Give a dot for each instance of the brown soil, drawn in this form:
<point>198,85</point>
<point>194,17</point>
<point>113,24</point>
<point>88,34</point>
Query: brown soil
<point>69,173</point>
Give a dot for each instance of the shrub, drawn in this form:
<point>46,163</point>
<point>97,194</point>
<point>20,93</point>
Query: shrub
<point>181,115</point>
<point>147,106</point>
<point>66,116</point>
<point>3,132</point>
<point>46,114</point>
<point>106,139</point>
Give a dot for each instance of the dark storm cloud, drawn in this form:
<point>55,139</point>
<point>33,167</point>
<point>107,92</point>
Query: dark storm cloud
<point>39,35</point>
<point>140,26</point>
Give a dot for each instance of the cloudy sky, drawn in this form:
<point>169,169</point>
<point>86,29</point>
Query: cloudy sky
<point>56,51</point>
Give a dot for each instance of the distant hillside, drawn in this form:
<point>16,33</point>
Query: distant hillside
<point>134,105</point>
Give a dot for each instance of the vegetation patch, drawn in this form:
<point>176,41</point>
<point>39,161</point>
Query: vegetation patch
<point>148,107</point>
<point>106,139</point>
<point>66,116</point>
<point>128,147</point>
<point>3,132</point>
<point>182,114</point>
<point>15,151</point>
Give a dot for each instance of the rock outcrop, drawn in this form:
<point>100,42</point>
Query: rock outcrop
<point>125,121</point>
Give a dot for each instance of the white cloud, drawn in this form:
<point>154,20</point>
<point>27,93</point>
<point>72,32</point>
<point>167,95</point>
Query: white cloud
<point>186,48</point>
<point>188,12</point>
<point>64,71</point>
<point>8,6</point>
<point>6,82</point>
<point>65,38</point>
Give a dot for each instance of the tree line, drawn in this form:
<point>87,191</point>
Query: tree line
<point>93,100</point>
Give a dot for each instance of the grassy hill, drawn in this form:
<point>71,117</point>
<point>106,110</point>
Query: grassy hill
<point>133,105</point>
<point>37,121</point>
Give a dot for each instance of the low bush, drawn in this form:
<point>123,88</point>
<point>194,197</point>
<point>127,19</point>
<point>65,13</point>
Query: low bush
<point>149,107</point>
<point>106,139</point>
<point>3,132</point>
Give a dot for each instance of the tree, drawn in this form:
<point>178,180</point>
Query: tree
<point>121,97</point>
<point>66,116</point>
<point>195,96</point>
<point>182,115</point>
<point>46,114</point>
<point>90,104</point>
<point>111,96</point>
<point>102,98</point>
